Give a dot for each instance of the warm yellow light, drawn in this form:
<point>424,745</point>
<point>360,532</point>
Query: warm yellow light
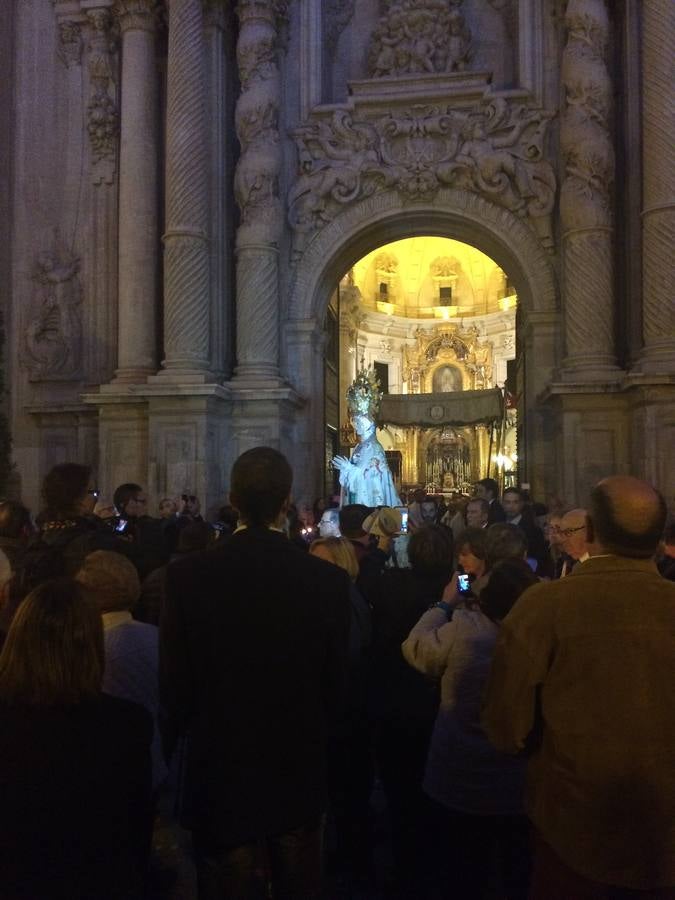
<point>387,308</point>
<point>445,312</point>
<point>507,303</point>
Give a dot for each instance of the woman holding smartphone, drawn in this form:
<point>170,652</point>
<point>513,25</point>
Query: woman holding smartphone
<point>477,792</point>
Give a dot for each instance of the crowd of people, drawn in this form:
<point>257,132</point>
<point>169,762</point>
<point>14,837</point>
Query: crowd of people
<point>499,673</point>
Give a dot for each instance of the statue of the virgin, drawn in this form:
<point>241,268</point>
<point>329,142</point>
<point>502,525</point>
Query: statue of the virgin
<point>366,477</point>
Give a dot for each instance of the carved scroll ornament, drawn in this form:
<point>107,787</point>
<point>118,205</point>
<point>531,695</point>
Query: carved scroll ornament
<point>495,149</point>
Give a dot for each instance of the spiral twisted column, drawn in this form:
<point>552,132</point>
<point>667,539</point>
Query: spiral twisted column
<point>256,186</point>
<point>138,192</point>
<point>658,216</point>
<point>186,250</point>
<point>586,194</point>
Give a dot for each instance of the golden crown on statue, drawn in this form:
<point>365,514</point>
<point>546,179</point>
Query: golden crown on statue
<point>364,394</point>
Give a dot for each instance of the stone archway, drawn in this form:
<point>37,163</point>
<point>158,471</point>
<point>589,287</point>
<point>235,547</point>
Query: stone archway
<point>386,217</point>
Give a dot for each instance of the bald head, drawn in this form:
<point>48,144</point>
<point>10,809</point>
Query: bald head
<point>627,516</point>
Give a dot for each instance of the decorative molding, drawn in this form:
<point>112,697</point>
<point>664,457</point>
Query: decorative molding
<point>417,36</point>
<point>103,118</point>
<point>495,149</point>
<point>52,338</point>
<point>70,43</point>
<point>256,180</point>
<point>586,208</point>
<point>467,216</point>
<point>138,15</point>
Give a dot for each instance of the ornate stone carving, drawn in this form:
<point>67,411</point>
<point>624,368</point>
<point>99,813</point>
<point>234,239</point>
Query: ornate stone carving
<point>494,149</point>
<point>138,15</point>
<point>256,182</point>
<point>53,335</point>
<point>445,267</point>
<point>256,187</point>
<point>102,110</point>
<point>586,192</point>
<point>70,43</point>
<point>418,36</point>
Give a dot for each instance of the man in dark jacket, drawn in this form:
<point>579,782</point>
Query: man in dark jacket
<point>253,652</point>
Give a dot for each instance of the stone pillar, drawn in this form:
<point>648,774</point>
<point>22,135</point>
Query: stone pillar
<point>138,245</point>
<point>658,215</point>
<point>219,90</point>
<point>256,188</point>
<point>186,247</point>
<point>586,196</point>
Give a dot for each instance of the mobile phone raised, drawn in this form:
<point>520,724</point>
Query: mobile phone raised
<point>463,584</point>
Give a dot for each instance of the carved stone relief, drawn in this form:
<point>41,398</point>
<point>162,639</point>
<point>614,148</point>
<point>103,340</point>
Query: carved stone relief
<point>53,335</point>
<point>495,149</point>
<point>70,43</point>
<point>417,36</point>
<point>256,182</point>
<point>102,110</point>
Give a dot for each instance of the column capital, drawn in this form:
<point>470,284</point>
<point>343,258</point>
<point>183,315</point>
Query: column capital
<point>136,15</point>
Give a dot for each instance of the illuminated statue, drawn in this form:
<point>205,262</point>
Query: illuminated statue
<point>366,478</point>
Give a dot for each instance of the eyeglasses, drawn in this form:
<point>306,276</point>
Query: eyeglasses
<point>569,531</point>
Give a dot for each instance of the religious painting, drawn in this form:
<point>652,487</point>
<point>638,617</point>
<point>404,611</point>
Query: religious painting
<point>446,379</point>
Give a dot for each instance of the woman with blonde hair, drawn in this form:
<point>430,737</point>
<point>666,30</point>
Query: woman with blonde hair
<point>131,648</point>
<point>74,762</point>
<point>350,769</point>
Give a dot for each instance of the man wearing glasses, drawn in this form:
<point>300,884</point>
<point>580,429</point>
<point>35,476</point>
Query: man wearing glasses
<point>574,543</point>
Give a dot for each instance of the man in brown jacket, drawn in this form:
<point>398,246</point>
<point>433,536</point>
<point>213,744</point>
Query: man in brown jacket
<point>583,679</point>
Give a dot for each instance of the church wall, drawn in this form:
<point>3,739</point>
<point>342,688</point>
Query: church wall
<point>583,319</point>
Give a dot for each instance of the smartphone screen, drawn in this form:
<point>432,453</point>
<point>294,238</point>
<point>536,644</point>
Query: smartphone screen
<point>463,584</point>
<point>404,518</point>
<point>121,525</point>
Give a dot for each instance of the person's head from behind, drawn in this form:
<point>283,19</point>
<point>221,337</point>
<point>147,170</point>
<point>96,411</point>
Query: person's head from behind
<point>130,500</point>
<point>477,511</point>
<point>15,520</point>
<point>68,490</point>
<point>195,536</point>
<point>504,541</point>
<point>626,517</point>
<point>506,582</point>
<point>338,551</point>
<point>487,488</point>
<point>260,486</point>
<point>472,551</point>
<point>111,581</point>
<point>351,519</point>
<point>53,654</point>
<point>430,551</point>
<point>513,501</point>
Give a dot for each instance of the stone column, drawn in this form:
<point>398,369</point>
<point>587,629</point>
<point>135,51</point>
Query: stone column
<point>186,248</point>
<point>586,195</point>
<point>257,191</point>
<point>138,244</point>
<point>658,215</point>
